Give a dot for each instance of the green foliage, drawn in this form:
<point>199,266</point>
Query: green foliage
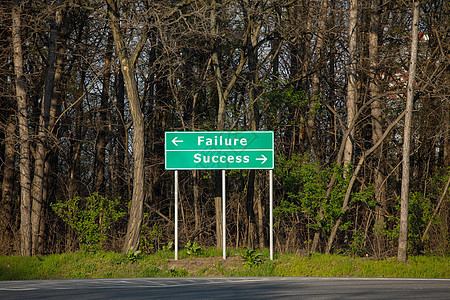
<point>133,255</point>
<point>357,244</point>
<point>149,236</point>
<point>366,195</point>
<point>305,183</point>
<point>168,247</point>
<point>419,214</point>
<point>391,232</point>
<point>252,258</point>
<point>282,101</point>
<point>193,249</point>
<point>90,217</point>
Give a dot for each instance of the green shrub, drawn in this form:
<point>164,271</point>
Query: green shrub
<point>152,272</point>
<point>306,183</point>
<point>174,272</point>
<point>90,218</point>
<point>168,247</point>
<point>252,258</point>
<point>133,255</point>
<point>193,249</point>
<point>420,213</point>
<point>149,236</point>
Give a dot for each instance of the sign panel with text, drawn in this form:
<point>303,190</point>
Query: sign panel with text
<point>219,150</point>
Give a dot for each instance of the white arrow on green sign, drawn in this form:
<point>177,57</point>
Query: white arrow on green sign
<point>219,150</point>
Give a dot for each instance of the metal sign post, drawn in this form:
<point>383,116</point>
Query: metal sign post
<point>271,212</point>
<point>220,150</point>
<point>224,227</point>
<point>176,215</point>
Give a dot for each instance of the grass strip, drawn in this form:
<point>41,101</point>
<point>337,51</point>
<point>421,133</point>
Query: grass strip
<point>210,263</point>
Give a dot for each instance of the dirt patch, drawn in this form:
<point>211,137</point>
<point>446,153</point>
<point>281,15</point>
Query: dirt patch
<point>207,266</point>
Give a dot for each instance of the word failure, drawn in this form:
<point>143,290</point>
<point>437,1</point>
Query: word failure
<point>221,141</point>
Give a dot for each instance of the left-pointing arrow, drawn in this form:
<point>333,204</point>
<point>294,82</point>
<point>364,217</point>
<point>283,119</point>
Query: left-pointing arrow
<point>175,141</point>
<point>263,159</point>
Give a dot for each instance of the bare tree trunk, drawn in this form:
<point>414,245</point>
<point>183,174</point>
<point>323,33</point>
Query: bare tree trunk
<point>315,89</point>
<point>218,208</point>
<point>436,209</point>
<point>37,190</point>
<point>377,127</point>
<point>260,210</point>
<point>251,220</point>
<point>254,27</point>
<point>345,206</point>
<point>24,159</point>
<point>37,186</point>
<point>222,97</point>
<point>447,137</point>
<point>315,93</point>
<point>220,126</point>
<point>6,202</point>
<point>195,174</point>
<point>196,195</point>
<point>351,98</point>
<point>51,162</point>
<point>101,139</point>
<point>351,86</point>
<point>127,64</point>
<point>315,84</point>
<point>122,156</point>
<point>403,234</point>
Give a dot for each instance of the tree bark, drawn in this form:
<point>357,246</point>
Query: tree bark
<point>222,93</point>
<point>254,27</point>
<point>260,210</point>
<point>102,133</point>
<point>24,158</point>
<point>120,184</point>
<point>404,202</point>
<point>315,83</point>
<point>6,202</point>
<point>377,127</point>
<point>447,136</point>
<point>351,86</point>
<point>127,64</point>
<point>345,206</point>
<point>38,184</point>
<point>436,209</point>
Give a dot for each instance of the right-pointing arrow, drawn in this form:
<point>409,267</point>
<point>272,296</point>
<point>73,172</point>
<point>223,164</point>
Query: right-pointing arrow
<point>263,159</point>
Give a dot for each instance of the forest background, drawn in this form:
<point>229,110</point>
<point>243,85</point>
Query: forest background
<point>88,89</point>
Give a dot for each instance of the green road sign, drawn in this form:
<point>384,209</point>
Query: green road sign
<point>219,150</point>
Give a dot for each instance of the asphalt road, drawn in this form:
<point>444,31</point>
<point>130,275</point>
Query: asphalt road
<point>228,288</point>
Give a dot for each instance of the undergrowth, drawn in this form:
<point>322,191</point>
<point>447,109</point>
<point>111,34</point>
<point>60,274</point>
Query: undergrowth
<point>249,263</point>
